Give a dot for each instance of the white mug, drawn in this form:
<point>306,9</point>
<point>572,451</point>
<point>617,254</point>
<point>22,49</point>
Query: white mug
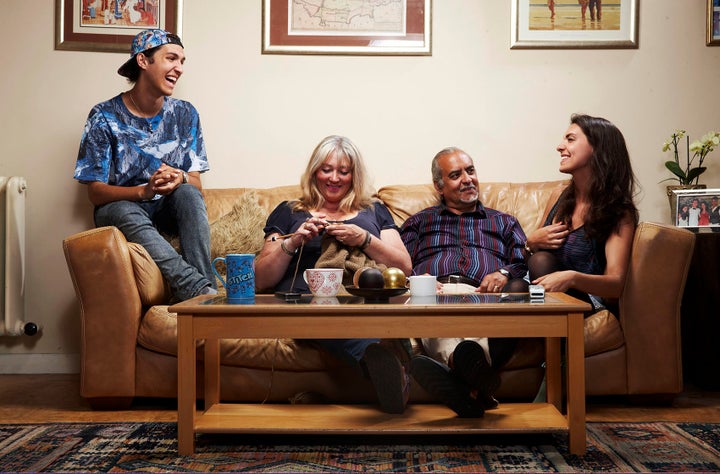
<point>423,285</point>
<point>324,282</point>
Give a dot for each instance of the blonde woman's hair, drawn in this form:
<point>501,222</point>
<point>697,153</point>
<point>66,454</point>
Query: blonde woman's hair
<point>360,194</point>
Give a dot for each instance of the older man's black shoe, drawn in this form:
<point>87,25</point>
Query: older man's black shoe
<point>437,380</point>
<point>472,367</point>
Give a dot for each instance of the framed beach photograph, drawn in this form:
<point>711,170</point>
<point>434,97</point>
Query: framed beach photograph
<point>697,208</point>
<point>111,25</point>
<point>713,22</point>
<point>574,24</point>
<point>369,27</point>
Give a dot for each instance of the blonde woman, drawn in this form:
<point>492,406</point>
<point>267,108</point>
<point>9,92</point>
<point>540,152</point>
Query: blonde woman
<point>337,200</point>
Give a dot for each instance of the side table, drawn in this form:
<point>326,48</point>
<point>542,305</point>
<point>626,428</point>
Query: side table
<point>700,321</point>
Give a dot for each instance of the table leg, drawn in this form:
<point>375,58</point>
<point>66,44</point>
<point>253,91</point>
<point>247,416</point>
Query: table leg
<point>212,372</point>
<point>553,372</point>
<point>186,385</point>
<point>576,384</point>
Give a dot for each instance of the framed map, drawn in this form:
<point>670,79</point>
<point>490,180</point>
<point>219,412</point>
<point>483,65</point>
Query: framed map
<point>111,25</point>
<point>372,27</point>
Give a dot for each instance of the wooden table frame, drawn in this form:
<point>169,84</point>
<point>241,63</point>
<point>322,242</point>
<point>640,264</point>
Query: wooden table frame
<point>559,316</point>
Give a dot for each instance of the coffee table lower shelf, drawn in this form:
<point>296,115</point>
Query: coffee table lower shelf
<point>418,419</point>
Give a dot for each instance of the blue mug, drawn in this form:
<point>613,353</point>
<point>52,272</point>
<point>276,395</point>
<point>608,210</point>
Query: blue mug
<point>240,275</point>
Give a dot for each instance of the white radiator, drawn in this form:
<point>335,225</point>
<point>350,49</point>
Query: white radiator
<point>12,256</point>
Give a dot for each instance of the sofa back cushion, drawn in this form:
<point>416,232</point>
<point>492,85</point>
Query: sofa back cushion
<point>529,202</point>
<point>221,201</point>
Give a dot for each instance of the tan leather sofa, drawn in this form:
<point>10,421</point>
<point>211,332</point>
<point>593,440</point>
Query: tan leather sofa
<point>129,338</point>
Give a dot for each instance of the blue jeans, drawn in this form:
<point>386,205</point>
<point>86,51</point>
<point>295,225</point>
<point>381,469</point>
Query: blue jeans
<point>182,213</point>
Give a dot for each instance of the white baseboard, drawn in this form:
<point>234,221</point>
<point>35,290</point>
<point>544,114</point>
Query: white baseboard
<point>40,364</point>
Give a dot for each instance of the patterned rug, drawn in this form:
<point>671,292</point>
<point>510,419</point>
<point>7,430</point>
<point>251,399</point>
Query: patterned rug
<point>121,447</point>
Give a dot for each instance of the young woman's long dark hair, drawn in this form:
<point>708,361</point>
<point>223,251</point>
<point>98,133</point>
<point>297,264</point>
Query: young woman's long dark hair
<point>612,182</point>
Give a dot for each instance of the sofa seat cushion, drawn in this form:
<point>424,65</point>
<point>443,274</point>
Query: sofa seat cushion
<point>602,333</point>
<point>158,333</point>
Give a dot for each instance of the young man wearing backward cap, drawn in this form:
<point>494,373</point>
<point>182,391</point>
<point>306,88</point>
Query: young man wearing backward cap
<point>141,155</point>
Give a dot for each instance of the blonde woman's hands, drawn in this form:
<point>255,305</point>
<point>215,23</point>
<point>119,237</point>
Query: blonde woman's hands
<point>308,230</point>
<point>347,234</point>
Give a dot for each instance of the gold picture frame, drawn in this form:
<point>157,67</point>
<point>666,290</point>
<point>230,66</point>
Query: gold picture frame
<point>395,27</point>
<point>109,25</point>
<point>574,24</point>
<point>713,23</point>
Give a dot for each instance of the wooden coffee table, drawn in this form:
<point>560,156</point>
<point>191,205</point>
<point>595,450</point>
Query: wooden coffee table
<point>210,318</point>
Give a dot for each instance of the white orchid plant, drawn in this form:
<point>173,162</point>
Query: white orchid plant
<point>689,174</point>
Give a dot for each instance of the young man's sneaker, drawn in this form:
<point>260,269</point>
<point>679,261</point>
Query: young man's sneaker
<point>470,364</point>
<point>437,380</point>
<point>391,382</point>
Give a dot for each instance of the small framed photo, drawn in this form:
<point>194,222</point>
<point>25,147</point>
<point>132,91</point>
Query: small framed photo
<point>698,208</point>
<point>361,27</point>
<point>574,24</point>
<point>111,25</point>
<point>713,22</point>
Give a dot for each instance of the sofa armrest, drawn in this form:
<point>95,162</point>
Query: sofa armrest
<point>110,310</point>
<point>650,307</point>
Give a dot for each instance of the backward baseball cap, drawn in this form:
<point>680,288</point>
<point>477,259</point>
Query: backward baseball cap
<point>147,39</point>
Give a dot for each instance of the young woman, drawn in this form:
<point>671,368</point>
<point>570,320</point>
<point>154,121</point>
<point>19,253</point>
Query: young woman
<point>584,246</point>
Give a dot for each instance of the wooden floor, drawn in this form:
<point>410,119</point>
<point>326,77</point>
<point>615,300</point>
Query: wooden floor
<point>49,398</point>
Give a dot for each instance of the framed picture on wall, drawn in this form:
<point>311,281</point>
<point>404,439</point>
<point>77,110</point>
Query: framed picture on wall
<point>698,208</point>
<point>713,22</point>
<point>110,25</point>
<point>390,27</point>
<point>567,24</point>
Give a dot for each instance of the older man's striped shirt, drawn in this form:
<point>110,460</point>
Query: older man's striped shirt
<point>472,244</point>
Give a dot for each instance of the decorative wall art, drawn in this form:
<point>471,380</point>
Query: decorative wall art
<point>110,25</point>
<point>574,24</point>
<point>713,23</point>
<point>392,27</point>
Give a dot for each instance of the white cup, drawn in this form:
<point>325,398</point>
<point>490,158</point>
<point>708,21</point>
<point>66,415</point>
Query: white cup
<point>324,282</point>
<point>423,285</point>
<point>432,299</point>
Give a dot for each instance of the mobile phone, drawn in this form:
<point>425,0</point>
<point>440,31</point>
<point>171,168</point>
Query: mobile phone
<point>288,295</point>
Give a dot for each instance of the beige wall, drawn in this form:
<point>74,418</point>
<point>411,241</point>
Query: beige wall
<point>263,114</point>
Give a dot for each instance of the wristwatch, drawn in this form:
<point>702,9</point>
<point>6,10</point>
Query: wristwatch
<point>185,177</point>
<point>504,273</point>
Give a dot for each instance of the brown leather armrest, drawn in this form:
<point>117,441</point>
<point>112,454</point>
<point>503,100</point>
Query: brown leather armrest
<point>650,307</point>
<point>110,310</point>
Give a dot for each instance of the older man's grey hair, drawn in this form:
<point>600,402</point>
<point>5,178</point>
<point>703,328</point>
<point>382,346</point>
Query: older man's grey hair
<point>435,167</point>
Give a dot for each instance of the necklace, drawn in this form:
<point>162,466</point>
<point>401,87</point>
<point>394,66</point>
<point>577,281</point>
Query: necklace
<point>137,107</point>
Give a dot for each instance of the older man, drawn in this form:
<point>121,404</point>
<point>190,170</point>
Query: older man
<point>460,240</point>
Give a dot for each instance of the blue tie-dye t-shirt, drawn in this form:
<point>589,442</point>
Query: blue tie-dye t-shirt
<point>122,149</point>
